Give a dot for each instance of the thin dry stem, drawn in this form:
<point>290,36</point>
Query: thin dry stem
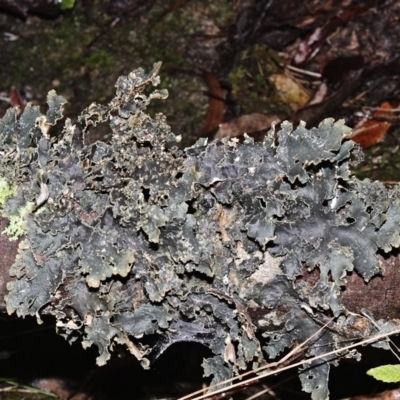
<point>270,365</point>
<point>285,368</point>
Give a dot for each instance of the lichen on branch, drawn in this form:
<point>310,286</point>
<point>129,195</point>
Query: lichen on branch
<point>134,237</point>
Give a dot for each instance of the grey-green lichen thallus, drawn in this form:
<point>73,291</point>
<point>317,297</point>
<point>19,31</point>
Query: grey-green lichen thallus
<point>135,237</point>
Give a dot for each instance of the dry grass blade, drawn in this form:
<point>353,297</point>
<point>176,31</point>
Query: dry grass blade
<point>271,365</point>
<point>13,386</point>
<point>193,396</point>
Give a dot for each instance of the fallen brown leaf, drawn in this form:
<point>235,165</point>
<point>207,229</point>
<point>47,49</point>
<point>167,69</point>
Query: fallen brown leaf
<point>371,131</point>
<point>216,103</point>
<point>245,124</point>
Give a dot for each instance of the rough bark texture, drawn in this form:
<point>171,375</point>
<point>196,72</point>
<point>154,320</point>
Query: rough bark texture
<point>245,248</point>
<point>380,295</point>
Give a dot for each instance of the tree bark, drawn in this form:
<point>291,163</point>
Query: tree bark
<point>380,295</point>
<point>8,250</point>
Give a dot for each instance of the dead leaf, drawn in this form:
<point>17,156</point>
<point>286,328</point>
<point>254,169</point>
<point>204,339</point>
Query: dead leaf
<point>290,91</point>
<point>16,100</point>
<point>308,48</point>
<point>371,131</point>
<point>245,124</point>
<point>216,103</point>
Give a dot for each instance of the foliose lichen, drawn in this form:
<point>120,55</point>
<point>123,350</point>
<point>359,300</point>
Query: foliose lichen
<point>135,237</point>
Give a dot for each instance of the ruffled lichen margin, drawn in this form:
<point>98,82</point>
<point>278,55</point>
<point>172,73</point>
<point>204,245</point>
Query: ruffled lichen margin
<point>134,238</point>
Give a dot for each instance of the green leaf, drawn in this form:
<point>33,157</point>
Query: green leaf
<point>67,4</point>
<point>386,373</point>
